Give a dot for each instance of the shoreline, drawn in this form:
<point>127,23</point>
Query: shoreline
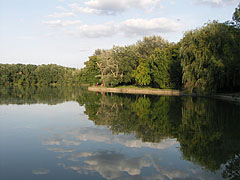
<point>137,91</point>
<point>226,97</point>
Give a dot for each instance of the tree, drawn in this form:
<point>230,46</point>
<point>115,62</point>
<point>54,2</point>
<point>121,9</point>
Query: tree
<point>160,69</point>
<point>127,58</point>
<point>142,74</point>
<point>90,72</point>
<point>210,59</point>
<point>147,46</point>
<point>236,16</point>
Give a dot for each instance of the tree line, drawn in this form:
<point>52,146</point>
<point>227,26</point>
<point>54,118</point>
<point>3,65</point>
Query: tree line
<point>206,61</point>
<point>52,74</point>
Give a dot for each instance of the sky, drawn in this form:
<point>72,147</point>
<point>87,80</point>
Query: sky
<point>67,32</point>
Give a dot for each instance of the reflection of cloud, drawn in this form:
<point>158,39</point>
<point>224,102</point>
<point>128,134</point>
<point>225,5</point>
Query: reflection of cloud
<point>58,141</point>
<point>108,164</point>
<point>40,171</point>
<point>104,135</point>
<point>111,164</point>
<point>77,155</point>
<point>61,150</point>
<point>69,142</point>
<point>52,141</point>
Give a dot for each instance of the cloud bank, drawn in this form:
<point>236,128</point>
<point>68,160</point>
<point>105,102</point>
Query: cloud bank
<point>112,7</point>
<point>215,2</point>
<point>130,27</point>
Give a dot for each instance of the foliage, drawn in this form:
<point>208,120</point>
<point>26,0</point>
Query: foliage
<point>236,16</point>
<point>210,59</point>
<point>19,74</point>
<point>147,46</point>
<point>90,73</point>
<point>142,74</point>
<point>160,69</point>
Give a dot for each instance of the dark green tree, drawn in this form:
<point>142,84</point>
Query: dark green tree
<point>142,73</point>
<point>210,59</point>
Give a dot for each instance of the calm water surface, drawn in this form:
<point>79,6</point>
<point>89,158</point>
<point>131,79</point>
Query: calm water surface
<point>70,133</point>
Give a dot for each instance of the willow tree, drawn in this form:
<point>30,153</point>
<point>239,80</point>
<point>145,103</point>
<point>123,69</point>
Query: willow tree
<point>210,59</point>
<point>236,16</point>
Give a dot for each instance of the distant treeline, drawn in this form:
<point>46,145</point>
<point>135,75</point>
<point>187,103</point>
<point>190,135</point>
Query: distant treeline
<point>206,60</point>
<point>19,74</point>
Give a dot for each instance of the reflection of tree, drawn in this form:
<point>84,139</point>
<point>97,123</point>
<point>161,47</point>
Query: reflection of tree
<point>147,117</point>
<point>209,132</point>
<point>232,170</point>
<point>39,94</point>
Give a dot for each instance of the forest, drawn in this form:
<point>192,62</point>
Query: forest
<point>205,61</point>
<point>52,74</point>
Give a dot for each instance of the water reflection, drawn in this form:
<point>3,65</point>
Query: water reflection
<point>141,137</point>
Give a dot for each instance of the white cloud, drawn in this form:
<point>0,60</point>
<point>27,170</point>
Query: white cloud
<point>112,7</point>
<point>94,31</point>
<point>215,2</point>
<point>25,38</point>
<point>77,8</point>
<point>148,27</point>
<point>61,23</point>
<point>130,27</point>
<point>61,15</point>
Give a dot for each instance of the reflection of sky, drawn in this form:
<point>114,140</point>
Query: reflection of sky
<point>42,140</point>
<point>103,135</point>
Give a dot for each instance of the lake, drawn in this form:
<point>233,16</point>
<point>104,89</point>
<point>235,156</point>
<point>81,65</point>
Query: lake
<point>71,133</point>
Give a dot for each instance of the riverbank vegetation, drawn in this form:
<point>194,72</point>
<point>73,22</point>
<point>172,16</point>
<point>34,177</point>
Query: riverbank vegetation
<point>52,74</point>
<point>205,61</point>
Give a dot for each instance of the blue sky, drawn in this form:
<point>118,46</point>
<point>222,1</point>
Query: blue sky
<point>66,32</point>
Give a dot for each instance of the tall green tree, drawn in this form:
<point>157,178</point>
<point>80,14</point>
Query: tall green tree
<point>210,59</point>
<point>160,69</point>
<point>142,73</point>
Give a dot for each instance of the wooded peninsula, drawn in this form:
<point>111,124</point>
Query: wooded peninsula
<point>205,61</point>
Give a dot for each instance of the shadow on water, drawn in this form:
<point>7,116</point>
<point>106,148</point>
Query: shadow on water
<point>207,130</point>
